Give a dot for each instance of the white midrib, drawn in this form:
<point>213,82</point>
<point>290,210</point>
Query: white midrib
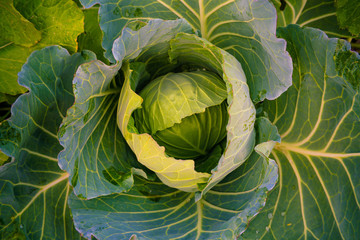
<point>297,174</point>
<point>202,20</point>
<point>199,219</point>
<point>42,190</point>
<point>296,18</point>
<point>286,147</point>
<point>317,18</point>
<point>293,148</point>
<point>321,180</point>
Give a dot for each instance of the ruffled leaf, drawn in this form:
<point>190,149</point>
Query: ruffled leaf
<point>318,194</point>
<point>37,18</point>
<point>245,28</point>
<point>152,210</point>
<point>34,190</point>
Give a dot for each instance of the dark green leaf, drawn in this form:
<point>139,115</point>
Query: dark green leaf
<point>152,210</point>
<point>244,28</point>
<point>34,190</point>
<point>318,118</point>
<point>311,13</point>
<point>9,139</point>
<point>96,155</point>
<point>348,15</point>
<point>91,37</point>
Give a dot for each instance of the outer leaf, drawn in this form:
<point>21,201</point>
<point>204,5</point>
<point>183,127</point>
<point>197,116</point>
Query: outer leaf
<point>49,18</point>
<point>34,191</point>
<point>96,155</point>
<point>12,57</point>
<point>319,122</point>
<point>15,28</point>
<point>312,13</point>
<point>91,37</point>
<point>55,27</point>
<point>153,211</point>
<point>348,15</point>
<point>245,28</point>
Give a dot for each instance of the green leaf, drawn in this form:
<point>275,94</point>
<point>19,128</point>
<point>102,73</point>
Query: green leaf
<point>3,97</point>
<point>89,3</point>
<point>91,37</point>
<point>348,15</point>
<point>246,29</point>
<point>49,19</point>
<point>318,119</point>
<point>152,210</point>
<point>9,139</point>
<point>15,28</point>
<point>311,13</point>
<point>12,57</point>
<point>268,136</point>
<point>4,158</point>
<point>34,190</point>
<point>96,155</point>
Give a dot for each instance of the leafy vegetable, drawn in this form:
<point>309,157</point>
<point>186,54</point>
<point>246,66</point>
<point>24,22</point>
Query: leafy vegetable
<point>184,126</point>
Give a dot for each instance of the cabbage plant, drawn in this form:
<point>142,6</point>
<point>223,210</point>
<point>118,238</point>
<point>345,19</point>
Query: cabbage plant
<point>196,110</point>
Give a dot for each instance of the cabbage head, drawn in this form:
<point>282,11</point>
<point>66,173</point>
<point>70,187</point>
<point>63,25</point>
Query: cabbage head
<point>170,133</point>
<point>174,112</point>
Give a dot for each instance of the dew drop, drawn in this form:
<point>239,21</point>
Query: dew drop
<point>257,232</point>
<point>267,229</point>
<point>21,226</point>
<point>270,216</point>
<point>283,213</point>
